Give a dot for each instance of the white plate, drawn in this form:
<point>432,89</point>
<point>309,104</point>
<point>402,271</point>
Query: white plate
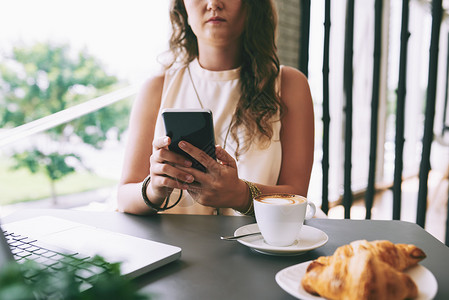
<point>289,279</point>
<point>310,238</point>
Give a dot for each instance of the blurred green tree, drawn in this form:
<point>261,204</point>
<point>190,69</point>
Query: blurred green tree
<point>45,78</point>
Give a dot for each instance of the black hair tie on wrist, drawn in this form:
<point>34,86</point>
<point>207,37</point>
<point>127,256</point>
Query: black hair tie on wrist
<point>164,205</point>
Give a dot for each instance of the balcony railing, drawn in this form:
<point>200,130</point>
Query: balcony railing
<point>9,136</point>
<point>429,135</point>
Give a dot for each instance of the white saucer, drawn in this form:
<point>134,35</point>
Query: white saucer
<point>310,238</point>
<point>289,279</point>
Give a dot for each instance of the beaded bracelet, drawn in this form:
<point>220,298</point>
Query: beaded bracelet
<point>164,204</point>
<point>254,191</point>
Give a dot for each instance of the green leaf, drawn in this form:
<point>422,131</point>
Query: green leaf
<point>63,283</point>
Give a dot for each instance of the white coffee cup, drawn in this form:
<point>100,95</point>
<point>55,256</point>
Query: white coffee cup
<point>280,217</point>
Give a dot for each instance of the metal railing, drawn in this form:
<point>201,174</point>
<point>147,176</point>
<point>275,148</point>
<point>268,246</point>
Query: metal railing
<point>428,134</point>
<point>9,136</point>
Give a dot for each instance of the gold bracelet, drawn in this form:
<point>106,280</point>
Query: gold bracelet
<point>254,192</point>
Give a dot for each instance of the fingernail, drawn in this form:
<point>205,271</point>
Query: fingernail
<point>189,178</point>
<point>187,163</point>
<point>182,144</point>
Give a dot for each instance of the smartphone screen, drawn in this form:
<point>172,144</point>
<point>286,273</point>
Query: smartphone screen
<point>191,125</point>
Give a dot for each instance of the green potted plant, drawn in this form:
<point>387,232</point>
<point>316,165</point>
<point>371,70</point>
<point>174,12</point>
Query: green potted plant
<point>63,284</point>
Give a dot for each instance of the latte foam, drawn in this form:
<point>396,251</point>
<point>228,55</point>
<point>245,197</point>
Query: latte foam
<point>281,199</point>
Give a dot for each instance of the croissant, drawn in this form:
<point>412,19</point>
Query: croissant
<point>364,270</point>
<point>399,256</point>
<point>362,276</point>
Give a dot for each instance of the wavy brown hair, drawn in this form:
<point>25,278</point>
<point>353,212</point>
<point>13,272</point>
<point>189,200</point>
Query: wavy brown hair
<point>259,102</point>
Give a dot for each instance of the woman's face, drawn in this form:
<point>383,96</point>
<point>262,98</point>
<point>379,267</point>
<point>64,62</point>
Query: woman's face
<point>217,22</point>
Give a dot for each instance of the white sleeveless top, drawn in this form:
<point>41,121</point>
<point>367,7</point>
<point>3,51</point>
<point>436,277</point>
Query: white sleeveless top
<point>218,91</point>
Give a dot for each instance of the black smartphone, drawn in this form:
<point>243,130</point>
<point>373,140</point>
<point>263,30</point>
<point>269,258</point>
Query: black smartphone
<point>195,126</point>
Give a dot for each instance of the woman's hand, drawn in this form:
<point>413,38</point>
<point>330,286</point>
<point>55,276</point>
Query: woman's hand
<point>220,185</point>
<point>165,172</point>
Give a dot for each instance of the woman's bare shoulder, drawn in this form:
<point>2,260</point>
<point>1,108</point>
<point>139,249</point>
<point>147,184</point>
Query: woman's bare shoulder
<point>153,85</point>
<point>293,76</point>
<point>148,100</point>
<point>150,92</point>
<point>294,85</point>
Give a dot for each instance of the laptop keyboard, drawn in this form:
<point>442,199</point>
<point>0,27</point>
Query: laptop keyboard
<point>25,249</point>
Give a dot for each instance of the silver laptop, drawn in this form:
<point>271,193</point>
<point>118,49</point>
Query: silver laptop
<point>137,255</point>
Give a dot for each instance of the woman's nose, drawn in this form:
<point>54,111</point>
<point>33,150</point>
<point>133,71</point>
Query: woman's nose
<point>214,4</point>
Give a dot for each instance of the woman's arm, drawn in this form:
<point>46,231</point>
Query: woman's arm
<point>149,155</point>
<point>136,164</point>
<point>297,133</point>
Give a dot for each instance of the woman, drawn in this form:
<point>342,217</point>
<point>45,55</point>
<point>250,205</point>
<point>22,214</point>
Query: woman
<point>224,59</point>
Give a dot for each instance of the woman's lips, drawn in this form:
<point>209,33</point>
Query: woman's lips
<point>216,20</point>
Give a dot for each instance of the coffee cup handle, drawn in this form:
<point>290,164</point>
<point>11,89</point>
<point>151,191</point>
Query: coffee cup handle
<point>311,211</point>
